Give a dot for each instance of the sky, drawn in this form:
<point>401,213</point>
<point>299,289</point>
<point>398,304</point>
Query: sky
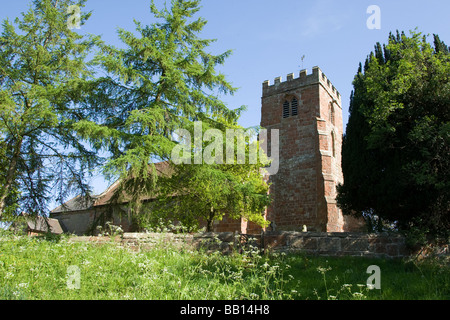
<point>268,38</point>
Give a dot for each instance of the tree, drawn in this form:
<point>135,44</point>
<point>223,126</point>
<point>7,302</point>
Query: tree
<point>395,154</point>
<point>43,74</point>
<point>228,181</point>
<point>162,80</point>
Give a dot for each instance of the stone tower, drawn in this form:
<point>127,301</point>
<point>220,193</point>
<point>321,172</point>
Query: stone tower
<point>307,111</point>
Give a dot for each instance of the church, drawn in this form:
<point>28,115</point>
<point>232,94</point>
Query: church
<point>307,111</point>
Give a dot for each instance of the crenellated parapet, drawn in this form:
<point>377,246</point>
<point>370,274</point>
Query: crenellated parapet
<point>304,79</point>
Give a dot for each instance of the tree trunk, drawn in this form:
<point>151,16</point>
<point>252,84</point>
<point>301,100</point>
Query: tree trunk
<point>209,226</point>
<point>10,174</point>
<point>210,221</point>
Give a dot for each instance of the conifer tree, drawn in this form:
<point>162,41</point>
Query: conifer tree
<point>395,154</point>
<point>162,80</point>
<point>43,74</point>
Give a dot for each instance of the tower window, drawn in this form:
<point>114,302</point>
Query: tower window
<point>286,109</point>
<point>290,108</point>
<point>294,105</point>
<point>331,113</point>
<point>333,144</point>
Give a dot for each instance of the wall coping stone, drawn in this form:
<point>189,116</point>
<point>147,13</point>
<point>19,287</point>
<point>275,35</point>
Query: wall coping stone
<point>389,245</point>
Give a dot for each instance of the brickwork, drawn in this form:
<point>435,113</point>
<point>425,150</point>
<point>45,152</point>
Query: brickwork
<point>304,189</point>
<point>230,225</point>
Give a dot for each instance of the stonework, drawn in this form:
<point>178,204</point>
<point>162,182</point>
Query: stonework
<point>382,245</point>
<point>308,114</point>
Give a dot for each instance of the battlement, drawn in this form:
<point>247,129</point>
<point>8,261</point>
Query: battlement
<point>304,79</point>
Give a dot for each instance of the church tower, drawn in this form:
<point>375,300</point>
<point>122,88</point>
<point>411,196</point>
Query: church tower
<point>308,114</point>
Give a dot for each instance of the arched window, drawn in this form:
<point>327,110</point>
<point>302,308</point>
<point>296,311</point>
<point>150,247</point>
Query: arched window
<point>294,105</point>
<point>286,109</point>
<point>290,108</point>
<point>331,113</point>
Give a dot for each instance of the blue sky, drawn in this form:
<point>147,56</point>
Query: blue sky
<point>268,38</point>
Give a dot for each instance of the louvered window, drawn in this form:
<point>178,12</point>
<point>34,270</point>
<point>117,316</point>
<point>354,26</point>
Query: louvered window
<point>286,109</point>
<point>294,105</point>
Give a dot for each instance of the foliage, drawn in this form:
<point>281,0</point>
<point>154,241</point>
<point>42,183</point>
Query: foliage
<point>395,152</point>
<point>162,81</point>
<point>43,74</point>
<point>35,268</point>
<point>209,191</point>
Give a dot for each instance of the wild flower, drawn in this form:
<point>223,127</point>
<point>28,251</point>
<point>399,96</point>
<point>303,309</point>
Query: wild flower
<point>254,296</point>
<point>323,270</point>
<point>359,295</point>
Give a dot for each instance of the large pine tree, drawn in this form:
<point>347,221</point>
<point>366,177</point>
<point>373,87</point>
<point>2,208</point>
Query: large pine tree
<point>163,79</point>
<point>43,76</point>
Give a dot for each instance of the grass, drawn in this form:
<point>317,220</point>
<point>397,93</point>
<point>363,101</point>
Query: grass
<point>38,268</point>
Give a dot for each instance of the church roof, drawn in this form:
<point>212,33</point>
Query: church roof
<point>81,203</point>
<point>37,224</point>
<point>41,224</point>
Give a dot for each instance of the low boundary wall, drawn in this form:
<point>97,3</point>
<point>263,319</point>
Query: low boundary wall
<point>383,245</point>
<point>388,245</point>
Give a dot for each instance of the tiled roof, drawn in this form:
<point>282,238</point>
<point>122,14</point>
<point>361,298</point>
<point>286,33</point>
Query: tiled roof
<point>80,203</point>
<point>41,224</point>
<point>38,224</point>
<point>106,197</point>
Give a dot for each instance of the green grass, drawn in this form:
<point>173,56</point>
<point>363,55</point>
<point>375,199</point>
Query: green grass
<point>36,268</point>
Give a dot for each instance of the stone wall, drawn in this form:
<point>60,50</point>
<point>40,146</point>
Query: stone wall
<point>338,243</point>
<point>384,245</point>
